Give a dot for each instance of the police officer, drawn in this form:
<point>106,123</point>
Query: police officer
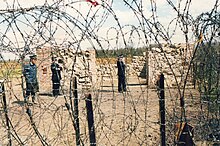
<point>30,74</point>
<point>121,74</point>
<point>56,76</point>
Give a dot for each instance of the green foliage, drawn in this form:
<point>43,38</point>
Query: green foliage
<point>207,71</point>
<point>127,52</point>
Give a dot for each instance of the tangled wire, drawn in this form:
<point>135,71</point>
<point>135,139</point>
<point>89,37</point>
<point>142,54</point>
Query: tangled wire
<point>71,29</point>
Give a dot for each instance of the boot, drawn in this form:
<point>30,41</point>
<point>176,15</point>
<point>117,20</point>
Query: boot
<point>33,100</point>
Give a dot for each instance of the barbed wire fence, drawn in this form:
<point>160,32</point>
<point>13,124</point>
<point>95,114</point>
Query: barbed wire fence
<point>66,29</point>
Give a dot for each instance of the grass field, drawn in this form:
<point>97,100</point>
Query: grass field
<point>10,69</point>
<point>13,68</point>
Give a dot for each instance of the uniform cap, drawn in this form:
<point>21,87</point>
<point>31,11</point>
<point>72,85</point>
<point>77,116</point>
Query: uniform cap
<point>34,56</point>
<point>53,58</point>
<point>120,56</point>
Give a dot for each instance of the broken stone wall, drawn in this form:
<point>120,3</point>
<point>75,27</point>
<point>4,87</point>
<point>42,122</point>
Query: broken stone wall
<point>82,64</point>
<point>79,64</point>
<point>170,61</point>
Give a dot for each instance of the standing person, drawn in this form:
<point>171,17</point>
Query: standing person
<point>30,74</point>
<point>121,74</point>
<point>56,76</point>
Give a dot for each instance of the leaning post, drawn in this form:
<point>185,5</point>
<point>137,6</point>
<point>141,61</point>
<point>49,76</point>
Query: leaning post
<point>76,112</point>
<point>2,91</point>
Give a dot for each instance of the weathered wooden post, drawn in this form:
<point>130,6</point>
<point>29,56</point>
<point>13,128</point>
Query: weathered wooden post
<point>90,119</point>
<point>147,65</point>
<point>22,76</point>
<point>2,91</point>
<point>76,112</point>
<point>162,110</point>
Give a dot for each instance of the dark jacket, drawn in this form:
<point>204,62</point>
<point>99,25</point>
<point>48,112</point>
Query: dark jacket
<point>30,73</point>
<point>121,68</point>
<point>56,72</point>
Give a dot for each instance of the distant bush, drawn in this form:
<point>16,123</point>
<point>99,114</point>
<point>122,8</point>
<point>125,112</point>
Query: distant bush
<point>127,52</point>
<point>206,72</point>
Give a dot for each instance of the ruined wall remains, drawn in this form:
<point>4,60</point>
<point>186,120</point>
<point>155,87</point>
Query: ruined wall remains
<point>44,72</point>
<point>74,64</point>
<point>170,61</point>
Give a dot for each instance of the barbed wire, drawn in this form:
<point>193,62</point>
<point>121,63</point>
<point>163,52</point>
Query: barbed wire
<point>71,30</point>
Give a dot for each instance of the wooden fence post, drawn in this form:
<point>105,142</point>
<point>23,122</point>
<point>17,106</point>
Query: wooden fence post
<point>76,112</point>
<point>2,91</point>
<point>147,66</point>
<point>162,110</point>
<point>90,119</point>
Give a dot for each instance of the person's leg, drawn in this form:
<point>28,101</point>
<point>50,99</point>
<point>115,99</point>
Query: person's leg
<point>33,92</point>
<point>124,84</point>
<point>56,88</point>
<point>33,96</point>
<point>53,90</point>
<point>28,92</point>
<point>119,84</point>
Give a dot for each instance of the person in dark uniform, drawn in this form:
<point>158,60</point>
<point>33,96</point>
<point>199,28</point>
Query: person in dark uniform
<point>121,74</point>
<point>30,74</point>
<point>56,76</point>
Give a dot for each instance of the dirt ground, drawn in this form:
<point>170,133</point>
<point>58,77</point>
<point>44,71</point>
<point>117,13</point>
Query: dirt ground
<point>130,118</point>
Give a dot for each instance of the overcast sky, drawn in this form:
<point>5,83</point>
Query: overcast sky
<point>165,14</point>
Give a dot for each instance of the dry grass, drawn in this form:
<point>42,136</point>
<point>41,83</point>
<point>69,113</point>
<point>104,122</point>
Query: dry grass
<point>10,69</point>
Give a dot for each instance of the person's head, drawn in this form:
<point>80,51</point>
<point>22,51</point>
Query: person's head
<point>33,59</point>
<point>54,59</point>
<point>120,57</point>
